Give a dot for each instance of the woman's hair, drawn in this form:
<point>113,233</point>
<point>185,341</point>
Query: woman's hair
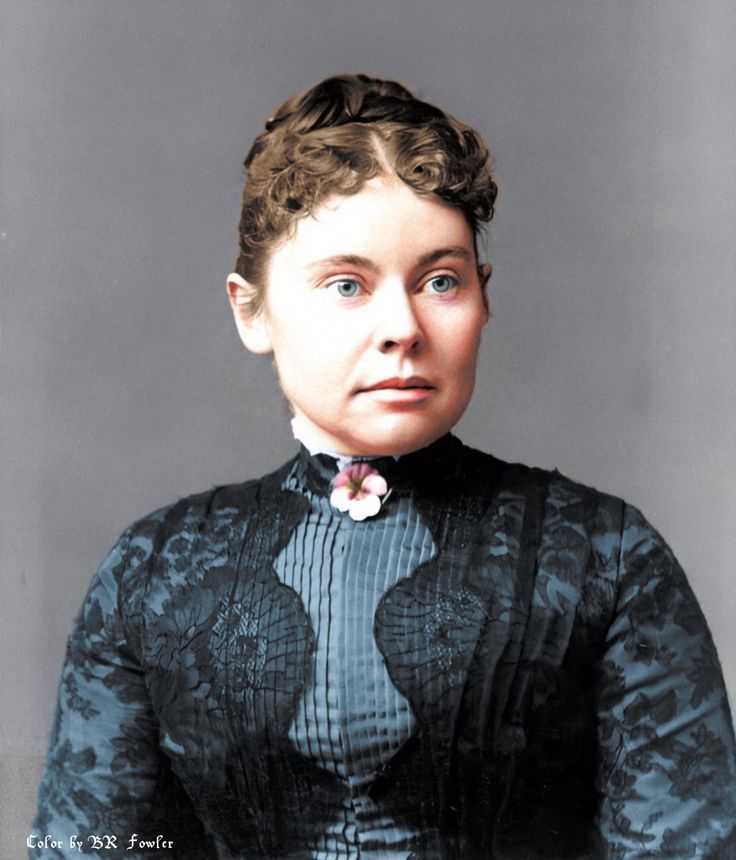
<point>337,135</point>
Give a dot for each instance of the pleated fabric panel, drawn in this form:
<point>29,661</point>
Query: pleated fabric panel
<point>352,720</point>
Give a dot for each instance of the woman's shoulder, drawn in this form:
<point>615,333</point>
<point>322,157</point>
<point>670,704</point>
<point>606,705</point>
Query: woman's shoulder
<point>170,536</point>
<point>558,490</point>
<point>573,513</point>
<point>219,504</point>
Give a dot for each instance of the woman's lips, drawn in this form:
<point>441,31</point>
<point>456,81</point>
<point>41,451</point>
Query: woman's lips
<point>399,382</point>
<point>413,389</point>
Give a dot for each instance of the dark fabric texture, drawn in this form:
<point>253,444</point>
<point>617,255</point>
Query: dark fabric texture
<point>566,696</point>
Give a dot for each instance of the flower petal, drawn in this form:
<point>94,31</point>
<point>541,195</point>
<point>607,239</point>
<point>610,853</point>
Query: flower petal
<point>341,498</point>
<point>368,506</point>
<point>375,484</point>
<point>342,479</point>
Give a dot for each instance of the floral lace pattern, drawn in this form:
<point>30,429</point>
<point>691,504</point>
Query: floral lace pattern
<point>567,695</point>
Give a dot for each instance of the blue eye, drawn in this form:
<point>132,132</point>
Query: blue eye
<point>442,283</point>
<point>347,289</point>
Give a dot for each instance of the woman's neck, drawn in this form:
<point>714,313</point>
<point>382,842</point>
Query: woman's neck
<point>303,433</point>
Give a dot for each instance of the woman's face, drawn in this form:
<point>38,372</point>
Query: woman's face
<point>373,310</point>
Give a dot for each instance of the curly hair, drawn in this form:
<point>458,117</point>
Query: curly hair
<point>333,138</point>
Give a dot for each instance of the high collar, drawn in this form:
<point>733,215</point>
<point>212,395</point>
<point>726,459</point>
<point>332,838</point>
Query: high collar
<point>428,469</point>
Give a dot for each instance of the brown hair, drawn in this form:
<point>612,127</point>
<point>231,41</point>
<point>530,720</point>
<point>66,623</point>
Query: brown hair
<point>337,135</point>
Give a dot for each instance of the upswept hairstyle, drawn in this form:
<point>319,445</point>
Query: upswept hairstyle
<point>337,135</point>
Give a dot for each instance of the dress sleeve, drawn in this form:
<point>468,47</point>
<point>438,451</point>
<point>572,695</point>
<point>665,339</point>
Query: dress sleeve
<point>668,768</point>
<point>105,775</point>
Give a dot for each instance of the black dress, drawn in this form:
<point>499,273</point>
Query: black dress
<point>501,663</point>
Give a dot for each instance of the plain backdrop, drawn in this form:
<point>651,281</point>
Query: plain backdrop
<point>611,354</point>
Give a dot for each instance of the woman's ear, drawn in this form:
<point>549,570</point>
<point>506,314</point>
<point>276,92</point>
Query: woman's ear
<point>252,327</point>
<point>484,275</point>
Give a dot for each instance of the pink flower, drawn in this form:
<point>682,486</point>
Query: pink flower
<point>357,490</point>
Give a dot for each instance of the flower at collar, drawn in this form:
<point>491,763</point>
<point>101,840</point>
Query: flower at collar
<point>357,490</point>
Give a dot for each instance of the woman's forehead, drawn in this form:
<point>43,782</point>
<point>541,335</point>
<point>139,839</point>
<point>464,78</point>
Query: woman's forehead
<point>384,218</point>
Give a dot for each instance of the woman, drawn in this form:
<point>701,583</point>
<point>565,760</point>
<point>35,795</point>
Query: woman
<point>393,646</point>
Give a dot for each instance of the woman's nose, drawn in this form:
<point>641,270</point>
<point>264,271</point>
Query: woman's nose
<point>398,326</point>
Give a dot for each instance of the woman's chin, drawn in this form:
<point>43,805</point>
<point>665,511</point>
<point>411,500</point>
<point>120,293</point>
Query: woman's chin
<point>397,440</point>
<point>372,434</point>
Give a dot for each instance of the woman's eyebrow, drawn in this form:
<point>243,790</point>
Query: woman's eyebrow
<point>363,262</point>
<point>344,260</point>
<point>459,251</point>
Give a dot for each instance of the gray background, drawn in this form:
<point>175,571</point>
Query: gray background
<point>611,354</point>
